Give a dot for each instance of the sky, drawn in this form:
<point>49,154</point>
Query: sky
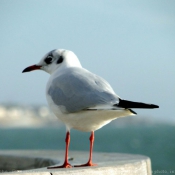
<point>130,43</point>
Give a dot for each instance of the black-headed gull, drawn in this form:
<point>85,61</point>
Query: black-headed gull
<point>79,98</point>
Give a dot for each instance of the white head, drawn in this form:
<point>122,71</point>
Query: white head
<point>55,59</point>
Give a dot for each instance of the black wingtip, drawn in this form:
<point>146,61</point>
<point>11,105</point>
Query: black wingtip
<point>154,106</point>
<point>132,111</point>
<point>130,104</point>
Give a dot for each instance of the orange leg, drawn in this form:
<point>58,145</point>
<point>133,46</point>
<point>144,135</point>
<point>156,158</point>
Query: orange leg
<point>89,163</point>
<point>66,163</point>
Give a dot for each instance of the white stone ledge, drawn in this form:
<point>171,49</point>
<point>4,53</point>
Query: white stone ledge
<point>28,162</point>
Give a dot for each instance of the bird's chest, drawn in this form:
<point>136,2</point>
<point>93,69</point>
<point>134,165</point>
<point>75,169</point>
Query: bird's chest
<point>57,110</point>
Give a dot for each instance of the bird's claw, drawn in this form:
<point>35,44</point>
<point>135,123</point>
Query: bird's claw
<point>65,165</point>
<point>86,164</point>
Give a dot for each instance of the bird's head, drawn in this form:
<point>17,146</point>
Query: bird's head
<point>55,59</point>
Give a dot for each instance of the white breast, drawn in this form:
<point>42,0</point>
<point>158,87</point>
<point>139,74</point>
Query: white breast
<point>88,120</point>
<point>85,120</point>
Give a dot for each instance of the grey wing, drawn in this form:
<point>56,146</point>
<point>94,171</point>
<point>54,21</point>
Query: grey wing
<point>79,89</point>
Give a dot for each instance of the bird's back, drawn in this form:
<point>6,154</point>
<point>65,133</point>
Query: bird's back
<point>77,89</point>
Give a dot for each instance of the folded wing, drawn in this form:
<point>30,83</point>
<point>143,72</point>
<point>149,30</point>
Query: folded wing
<point>78,89</point>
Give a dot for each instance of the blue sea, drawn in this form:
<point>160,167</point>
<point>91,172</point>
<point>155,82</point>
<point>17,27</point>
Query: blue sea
<point>155,141</point>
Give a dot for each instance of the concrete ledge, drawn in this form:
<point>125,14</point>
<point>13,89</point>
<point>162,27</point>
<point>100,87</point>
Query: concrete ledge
<point>27,162</point>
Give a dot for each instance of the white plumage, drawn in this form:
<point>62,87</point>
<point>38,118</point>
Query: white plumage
<point>79,98</point>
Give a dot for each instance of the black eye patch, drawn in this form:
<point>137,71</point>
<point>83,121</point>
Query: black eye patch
<point>60,60</point>
<point>48,60</point>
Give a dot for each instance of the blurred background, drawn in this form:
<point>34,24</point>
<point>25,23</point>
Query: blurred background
<point>129,43</point>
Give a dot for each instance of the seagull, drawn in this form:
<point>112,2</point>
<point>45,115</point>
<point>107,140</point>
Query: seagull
<point>81,99</point>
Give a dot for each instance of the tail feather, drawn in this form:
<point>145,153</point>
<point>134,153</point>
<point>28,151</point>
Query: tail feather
<point>130,104</point>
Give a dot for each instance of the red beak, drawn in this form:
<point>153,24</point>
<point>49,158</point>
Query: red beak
<point>31,68</point>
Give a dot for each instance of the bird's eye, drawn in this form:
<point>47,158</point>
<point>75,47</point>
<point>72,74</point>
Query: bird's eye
<point>48,60</point>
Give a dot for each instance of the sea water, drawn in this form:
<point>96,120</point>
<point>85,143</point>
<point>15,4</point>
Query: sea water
<point>154,141</point>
